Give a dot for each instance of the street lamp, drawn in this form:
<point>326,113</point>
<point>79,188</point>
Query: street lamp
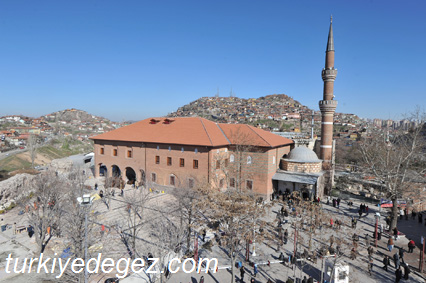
<point>85,201</point>
<point>377,216</point>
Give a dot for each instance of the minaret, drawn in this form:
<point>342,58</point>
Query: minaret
<point>328,104</point>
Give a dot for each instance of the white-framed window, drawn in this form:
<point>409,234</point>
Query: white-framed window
<point>273,159</point>
<point>232,158</point>
<point>248,159</point>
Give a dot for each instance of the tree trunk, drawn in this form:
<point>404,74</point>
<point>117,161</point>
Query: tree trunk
<point>394,216</point>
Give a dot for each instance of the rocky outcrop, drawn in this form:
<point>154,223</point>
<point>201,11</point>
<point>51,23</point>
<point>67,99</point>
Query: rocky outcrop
<point>10,189</point>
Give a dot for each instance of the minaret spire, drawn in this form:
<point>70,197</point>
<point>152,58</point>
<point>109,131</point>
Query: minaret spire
<point>330,41</point>
<point>328,104</point>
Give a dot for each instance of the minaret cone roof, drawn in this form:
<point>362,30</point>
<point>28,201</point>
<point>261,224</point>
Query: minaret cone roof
<point>330,41</point>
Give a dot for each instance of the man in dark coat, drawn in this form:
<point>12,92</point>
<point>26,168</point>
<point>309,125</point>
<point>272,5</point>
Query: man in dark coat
<point>406,271</point>
<point>242,271</point>
<point>401,254</point>
<point>386,262</point>
<point>398,275</point>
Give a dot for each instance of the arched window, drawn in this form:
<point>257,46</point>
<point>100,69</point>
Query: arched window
<point>248,159</point>
<point>231,158</point>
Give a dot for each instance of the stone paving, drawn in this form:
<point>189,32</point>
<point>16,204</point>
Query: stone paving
<point>21,246</point>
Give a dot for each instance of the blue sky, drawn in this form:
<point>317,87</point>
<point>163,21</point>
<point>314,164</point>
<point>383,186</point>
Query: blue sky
<point>136,59</point>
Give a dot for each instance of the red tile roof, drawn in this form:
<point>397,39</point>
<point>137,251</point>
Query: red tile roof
<point>193,131</point>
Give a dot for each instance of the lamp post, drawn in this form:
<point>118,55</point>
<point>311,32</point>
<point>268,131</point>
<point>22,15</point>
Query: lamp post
<point>254,241</point>
<point>377,216</point>
<point>85,201</point>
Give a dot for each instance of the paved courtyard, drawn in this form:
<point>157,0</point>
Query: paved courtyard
<point>21,246</point>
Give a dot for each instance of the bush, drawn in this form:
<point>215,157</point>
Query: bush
<point>11,206</point>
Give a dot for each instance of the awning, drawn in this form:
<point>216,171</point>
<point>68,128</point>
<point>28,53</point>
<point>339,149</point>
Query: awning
<point>295,178</point>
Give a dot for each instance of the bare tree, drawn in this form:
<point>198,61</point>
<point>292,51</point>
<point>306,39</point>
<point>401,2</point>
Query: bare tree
<point>43,200</point>
<point>133,216</point>
<point>396,160</point>
<point>235,211</point>
<point>32,148</point>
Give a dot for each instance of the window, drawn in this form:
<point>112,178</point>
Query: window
<point>249,184</point>
<point>195,164</point>
<point>191,183</point>
<point>172,180</point>
<point>182,162</point>
<point>102,150</point>
<point>154,177</point>
<point>231,158</point>
<point>157,159</point>
<point>129,154</point>
<point>170,148</point>
<point>169,161</point>
<point>248,159</point>
<point>114,152</point>
<point>182,150</point>
<point>196,150</point>
<point>273,159</point>
<point>221,183</point>
<point>217,164</point>
<point>226,162</point>
<point>232,182</point>
<point>158,147</point>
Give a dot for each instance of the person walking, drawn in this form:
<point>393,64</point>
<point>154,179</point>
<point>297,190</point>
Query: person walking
<point>398,275</point>
<point>370,265</point>
<point>407,271</point>
<point>396,260</point>
<point>367,240</point>
<point>390,244</point>
<point>353,254</point>
<point>411,246</point>
<point>255,270</point>
<point>360,213</point>
<point>395,233</point>
<point>401,254</point>
<point>386,262</point>
<point>370,251</point>
<point>202,279</point>
<point>379,235</point>
<point>331,223</point>
<point>242,271</point>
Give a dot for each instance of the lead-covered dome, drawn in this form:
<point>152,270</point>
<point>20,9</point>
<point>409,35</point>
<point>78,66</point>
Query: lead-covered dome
<point>302,154</point>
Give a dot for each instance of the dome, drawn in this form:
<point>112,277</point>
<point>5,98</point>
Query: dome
<point>302,154</point>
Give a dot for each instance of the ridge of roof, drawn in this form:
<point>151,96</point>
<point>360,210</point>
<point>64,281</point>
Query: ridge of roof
<point>204,127</point>
<point>223,133</point>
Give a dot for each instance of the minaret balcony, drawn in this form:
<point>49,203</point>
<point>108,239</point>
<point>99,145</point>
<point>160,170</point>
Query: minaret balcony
<point>329,74</point>
<point>328,105</point>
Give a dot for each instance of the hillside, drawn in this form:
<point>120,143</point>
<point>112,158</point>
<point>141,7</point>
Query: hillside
<point>276,107</point>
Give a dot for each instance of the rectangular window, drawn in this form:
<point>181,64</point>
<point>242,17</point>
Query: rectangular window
<point>232,182</point>
<point>157,159</point>
<point>129,154</point>
<point>169,161</point>
<point>182,162</point>
<point>249,185</point>
<point>195,164</point>
<point>154,177</point>
<point>191,183</point>
<point>172,180</point>
<point>114,152</point>
<point>102,151</point>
